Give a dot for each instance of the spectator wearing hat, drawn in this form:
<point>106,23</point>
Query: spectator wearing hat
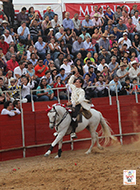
<point>67,22</point>
<point>84,34</point>
<point>34,29</point>
<point>121,27</point>
<point>7,37</point>
<point>49,13</point>
<point>7,110</point>
<point>118,14</point>
<point>131,29</point>
<point>12,63</point>
<point>4,26</point>
<point>134,71</point>
<point>97,21</point>
<point>55,24</point>
<point>122,73</point>
<point>111,39</point>
<point>88,24</point>
<point>135,18</point>
<point>104,43</point>
<point>23,31</point>
<point>124,40</point>
<point>95,10</point>
<point>77,24</point>
<point>4,45</point>
<point>22,16</point>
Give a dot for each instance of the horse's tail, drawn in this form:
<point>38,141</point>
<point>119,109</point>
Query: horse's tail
<point>106,130</point>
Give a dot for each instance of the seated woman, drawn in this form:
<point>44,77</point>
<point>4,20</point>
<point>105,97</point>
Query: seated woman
<point>10,52</point>
<point>109,15</point>
<point>62,92</point>
<point>64,48</point>
<point>79,67</point>
<point>46,25</point>
<point>79,56</point>
<point>54,49</point>
<point>95,37</point>
<point>45,93</point>
<point>31,13</point>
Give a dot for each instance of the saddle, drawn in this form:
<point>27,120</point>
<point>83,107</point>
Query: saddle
<point>86,113</point>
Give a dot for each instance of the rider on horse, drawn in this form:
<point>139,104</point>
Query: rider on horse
<point>77,99</point>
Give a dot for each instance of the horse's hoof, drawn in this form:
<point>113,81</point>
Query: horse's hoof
<point>47,153</point>
<point>56,156</point>
<point>87,152</point>
<point>101,148</point>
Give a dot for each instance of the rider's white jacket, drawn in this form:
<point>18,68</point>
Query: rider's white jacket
<point>78,95</point>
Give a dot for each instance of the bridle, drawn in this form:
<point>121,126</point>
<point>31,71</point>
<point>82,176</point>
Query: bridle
<point>56,114</point>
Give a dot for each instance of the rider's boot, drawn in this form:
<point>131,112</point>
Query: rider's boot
<point>74,124</point>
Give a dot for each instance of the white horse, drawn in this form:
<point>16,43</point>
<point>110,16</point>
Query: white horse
<point>60,118</point>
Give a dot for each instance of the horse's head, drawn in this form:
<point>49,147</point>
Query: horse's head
<point>53,116</point>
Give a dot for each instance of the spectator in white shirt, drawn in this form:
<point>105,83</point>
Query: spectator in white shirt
<point>7,110</point>
<point>135,18</point>
<point>138,26</point>
<point>124,40</point>
<point>7,37</point>
<point>96,20</point>
<point>77,24</point>
<point>55,23</point>
<point>16,105</point>
<point>101,65</point>
<point>66,66</point>
<point>20,70</point>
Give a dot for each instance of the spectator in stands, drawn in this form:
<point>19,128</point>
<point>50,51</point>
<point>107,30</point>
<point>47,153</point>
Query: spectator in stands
<point>3,45</point>
<point>135,43</point>
<point>2,15</point>
<point>131,28</point>
<point>41,47</point>
<point>8,9</point>
<point>33,59</point>
<point>97,21</point>
<point>122,73</point>
<point>115,52</point>
<point>115,82</point>
<point>45,93</point>
<point>67,22</point>
<point>63,75</point>
<point>104,43</point>
<point>61,35</point>
<point>54,49</point>
<point>92,75</point>
<point>135,18</point>
<point>127,86</point>
<point>31,71</point>
<point>101,65</point>
<point>109,15</point>
<point>133,10</point>
<point>84,34</point>
<point>113,65</point>
<point>22,16</point>
<point>16,105</point>
<point>59,61</point>
<point>138,26</point>
<point>20,70</point>
<point>124,40</point>
<point>10,53</point>
<point>104,55</point>
<point>27,84</point>
<point>40,69</point>
<point>31,13</point>
<point>12,63</point>
<point>30,50</point>
<point>7,37</point>
<point>23,31</point>
<point>134,71</point>
<point>7,110</point>
<point>2,64</point>
<point>121,27</point>
<point>77,24</point>
<point>88,24</point>
<point>55,23</point>
<point>89,56</point>
<point>46,25</point>
<point>2,96</point>
<point>62,92</point>
<point>101,90</point>
<point>13,87</point>
<point>4,26</point>
<point>78,46</point>
<point>94,11</point>
<point>49,13</point>
<point>135,87</point>
<point>124,17</point>
<point>35,30</point>
<point>118,14</point>
<point>66,66</point>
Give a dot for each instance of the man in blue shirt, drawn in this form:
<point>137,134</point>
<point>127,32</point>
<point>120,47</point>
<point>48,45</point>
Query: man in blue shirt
<point>23,31</point>
<point>92,75</point>
<point>88,24</point>
<point>49,13</point>
<point>115,82</point>
<point>67,22</point>
<point>62,75</point>
<point>41,47</point>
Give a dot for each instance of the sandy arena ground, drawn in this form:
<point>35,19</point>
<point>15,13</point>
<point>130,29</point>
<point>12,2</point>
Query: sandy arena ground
<point>102,170</point>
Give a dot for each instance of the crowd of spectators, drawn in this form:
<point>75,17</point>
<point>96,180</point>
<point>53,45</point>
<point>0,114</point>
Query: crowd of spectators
<point>42,54</point>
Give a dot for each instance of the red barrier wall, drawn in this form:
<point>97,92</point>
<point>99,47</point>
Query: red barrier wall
<point>37,130</point>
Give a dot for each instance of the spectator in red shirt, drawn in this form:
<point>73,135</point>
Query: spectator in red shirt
<point>3,45</point>
<point>40,69</point>
<point>12,63</point>
<point>62,92</point>
<point>131,29</point>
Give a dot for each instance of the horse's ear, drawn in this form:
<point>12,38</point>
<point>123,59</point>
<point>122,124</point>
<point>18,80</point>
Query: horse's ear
<point>47,111</point>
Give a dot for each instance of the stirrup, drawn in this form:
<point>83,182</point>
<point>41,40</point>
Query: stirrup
<point>73,135</point>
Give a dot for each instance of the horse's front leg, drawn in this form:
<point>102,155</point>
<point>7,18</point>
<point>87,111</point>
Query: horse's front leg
<point>58,138</point>
<point>59,148</point>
